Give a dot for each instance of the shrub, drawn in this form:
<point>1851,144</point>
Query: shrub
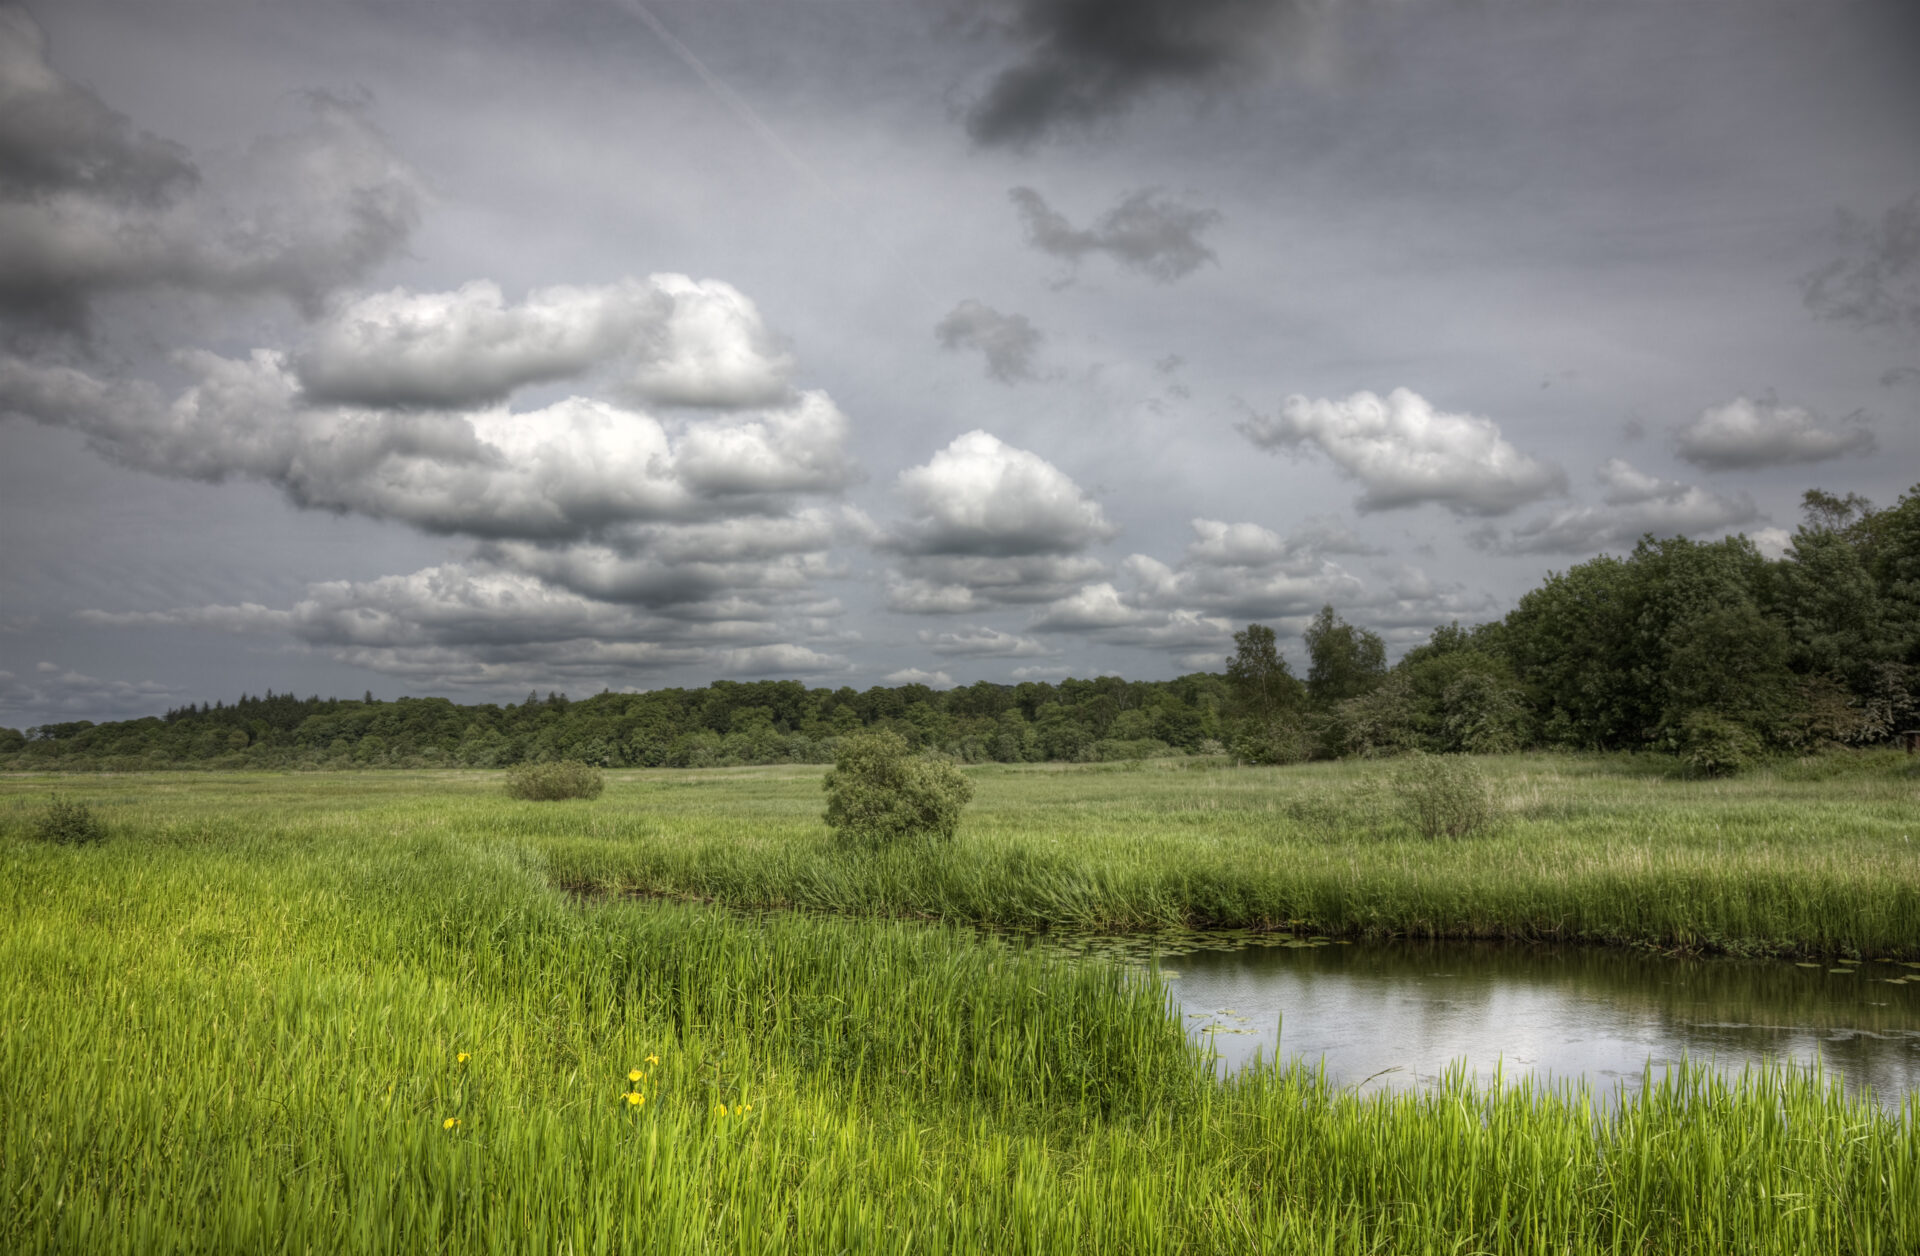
<point>68,823</point>
<point>1444,795</point>
<point>879,793</point>
<point>1714,745</point>
<point>550,782</point>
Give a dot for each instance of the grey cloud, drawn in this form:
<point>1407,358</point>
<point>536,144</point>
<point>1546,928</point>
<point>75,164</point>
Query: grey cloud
<point>1405,452</point>
<point>52,693</point>
<point>1147,231</point>
<point>1876,282</point>
<point>1102,612</point>
<point>564,472</point>
<point>1744,433</point>
<point>917,676</point>
<point>1088,60</point>
<point>478,624</point>
<point>1007,341</point>
<point>948,584</point>
<point>58,137</point>
<point>90,205</point>
<point>1233,573</point>
<point>667,339</point>
<point>1636,503</point>
<point>978,641</point>
<point>1245,571</point>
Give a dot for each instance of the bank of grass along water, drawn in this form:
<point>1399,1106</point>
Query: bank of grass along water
<point>263,1022</point>
<point>1808,860</point>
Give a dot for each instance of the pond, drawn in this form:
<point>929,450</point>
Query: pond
<point>1401,1013</point>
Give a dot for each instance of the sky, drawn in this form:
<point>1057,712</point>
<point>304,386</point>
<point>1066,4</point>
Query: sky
<point>479,348</point>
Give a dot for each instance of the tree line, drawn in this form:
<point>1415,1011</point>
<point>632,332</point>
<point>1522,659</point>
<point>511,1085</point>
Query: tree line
<point>1706,650</point>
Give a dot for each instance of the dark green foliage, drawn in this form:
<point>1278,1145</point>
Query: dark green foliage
<point>68,824</point>
<point>1714,744</point>
<point>879,793</point>
<point>1345,661</point>
<point>1444,796</point>
<point>551,782</point>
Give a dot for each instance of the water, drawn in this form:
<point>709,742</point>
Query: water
<point>1399,1014</point>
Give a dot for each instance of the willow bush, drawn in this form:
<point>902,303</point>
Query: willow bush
<point>880,794</point>
<point>551,782</point>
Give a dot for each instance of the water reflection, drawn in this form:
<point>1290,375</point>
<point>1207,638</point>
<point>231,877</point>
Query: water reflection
<point>1401,1013</point>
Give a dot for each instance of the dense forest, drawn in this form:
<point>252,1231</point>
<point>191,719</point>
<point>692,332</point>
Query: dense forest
<point>1705,650</point>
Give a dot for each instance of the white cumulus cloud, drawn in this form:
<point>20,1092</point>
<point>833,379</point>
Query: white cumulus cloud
<point>565,471</point>
<point>1405,452</point>
<point>666,339</point>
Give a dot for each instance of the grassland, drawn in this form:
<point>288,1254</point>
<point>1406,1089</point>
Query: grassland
<point>238,1023</point>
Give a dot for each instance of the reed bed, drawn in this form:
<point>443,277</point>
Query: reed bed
<point>271,1015</point>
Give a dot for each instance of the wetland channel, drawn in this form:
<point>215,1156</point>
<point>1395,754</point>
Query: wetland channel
<point>1403,1013</point>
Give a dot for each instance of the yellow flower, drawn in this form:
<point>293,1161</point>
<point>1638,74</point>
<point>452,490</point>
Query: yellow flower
<point>634,1075</point>
<point>746,1107</point>
<point>450,1122</point>
<point>653,1059</point>
<point>462,1058</point>
<point>635,1098</point>
<point>721,1108</point>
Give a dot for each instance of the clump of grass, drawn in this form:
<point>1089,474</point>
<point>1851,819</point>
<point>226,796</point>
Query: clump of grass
<point>551,782</point>
<point>1444,796</point>
<point>68,824</point>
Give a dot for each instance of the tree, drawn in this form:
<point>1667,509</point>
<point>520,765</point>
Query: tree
<point>1344,661</point>
<point>1263,686</point>
<point>1266,697</point>
<point>879,794</point>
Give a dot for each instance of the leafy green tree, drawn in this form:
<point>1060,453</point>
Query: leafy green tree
<point>879,793</point>
<point>1266,699</point>
<point>1343,661</point>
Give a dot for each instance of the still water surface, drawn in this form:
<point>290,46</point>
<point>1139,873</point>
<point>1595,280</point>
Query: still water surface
<point>1399,1014</point>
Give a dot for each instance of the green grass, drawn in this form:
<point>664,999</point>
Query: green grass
<point>1817,858</point>
<point>234,1025</point>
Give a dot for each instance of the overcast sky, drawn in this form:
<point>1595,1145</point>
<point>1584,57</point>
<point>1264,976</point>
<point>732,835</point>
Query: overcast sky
<point>472,348</point>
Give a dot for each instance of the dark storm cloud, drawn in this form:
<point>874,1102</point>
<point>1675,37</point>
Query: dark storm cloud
<point>1088,60</point>
<point>56,136</point>
<point>89,204</point>
<point>1147,231</point>
<point>1876,280</point>
<point>1007,341</point>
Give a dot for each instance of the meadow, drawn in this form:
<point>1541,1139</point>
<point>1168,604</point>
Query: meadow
<point>400,1012</point>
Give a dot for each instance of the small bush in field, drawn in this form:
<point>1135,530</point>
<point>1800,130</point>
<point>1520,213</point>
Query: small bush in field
<point>68,823</point>
<point>550,782</point>
<point>880,793</point>
<point>1444,795</point>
